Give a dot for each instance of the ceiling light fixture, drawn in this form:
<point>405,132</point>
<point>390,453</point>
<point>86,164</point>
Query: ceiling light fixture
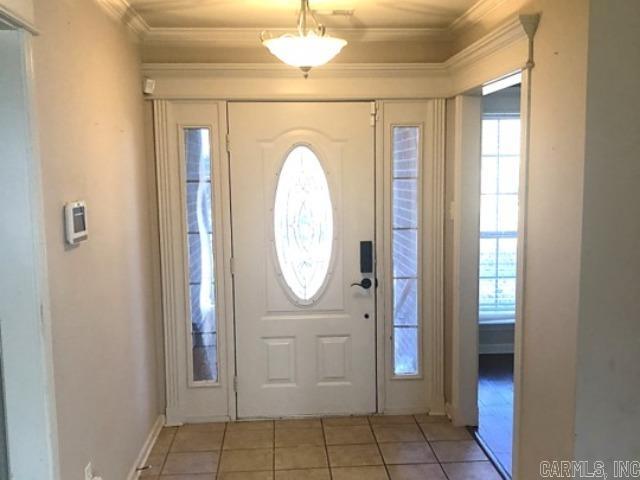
<point>311,47</point>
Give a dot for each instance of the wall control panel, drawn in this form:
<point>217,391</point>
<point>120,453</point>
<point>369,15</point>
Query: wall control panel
<point>75,219</point>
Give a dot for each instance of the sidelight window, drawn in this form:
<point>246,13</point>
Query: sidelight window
<point>405,188</point>
<point>202,285</point>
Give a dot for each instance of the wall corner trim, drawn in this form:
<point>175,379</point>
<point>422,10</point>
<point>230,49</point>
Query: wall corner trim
<point>142,457</point>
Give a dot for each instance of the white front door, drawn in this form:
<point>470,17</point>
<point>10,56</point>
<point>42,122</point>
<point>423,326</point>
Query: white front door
<point>303,210</point>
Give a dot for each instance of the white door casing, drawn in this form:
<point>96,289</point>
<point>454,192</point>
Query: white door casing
<point>295,359</point>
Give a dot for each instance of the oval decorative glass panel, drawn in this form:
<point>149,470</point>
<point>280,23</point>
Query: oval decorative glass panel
<point>303,224</point>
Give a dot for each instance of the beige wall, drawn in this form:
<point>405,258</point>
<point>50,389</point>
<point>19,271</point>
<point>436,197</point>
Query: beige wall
<point>90,121</point>
<point>608,384</point>
<point>554,226</point>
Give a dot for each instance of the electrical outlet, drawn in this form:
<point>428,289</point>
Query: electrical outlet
<point>88,472</point>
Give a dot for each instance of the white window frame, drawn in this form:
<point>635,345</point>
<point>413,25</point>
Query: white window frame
<point>420,253</point>
<point>506,318</point>
<point>216,252</point>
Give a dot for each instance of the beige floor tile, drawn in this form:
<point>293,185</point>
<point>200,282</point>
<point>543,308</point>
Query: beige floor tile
<point>359,473</point>
<point>398,433</point>
<point>155,461</point>
<point>309,474</point>
<point>193,462</point>
<point>416,472</point>
<point>197,441</point>
<point>246,476</point>
<point>246,439</point>
<point>203,427</point>
<point>471,471</point>
<point>246,460</point>
<point>444,431</point>
<point>392,419</point>
<point>348,435</point>
<point>293,437</point>
<point>401,453</point>
<point>345,421</point>
<point>354,455</point>
<point>299,423</point>
<point>189,476</point>
<point>300,458</point>
<point>426,418</point>
<point>164,440</point>
<point>254,425</point>
<point>458,451</point>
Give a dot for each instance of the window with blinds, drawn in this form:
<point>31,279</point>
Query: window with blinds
<point>499,217</point>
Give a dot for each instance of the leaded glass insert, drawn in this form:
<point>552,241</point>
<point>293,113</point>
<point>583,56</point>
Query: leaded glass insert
<point>303,224</point>
<point>201,254</point>
<point>405,213</point>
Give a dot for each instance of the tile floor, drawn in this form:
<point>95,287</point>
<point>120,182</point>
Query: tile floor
<point>402,447</point>
<point>495,406</point>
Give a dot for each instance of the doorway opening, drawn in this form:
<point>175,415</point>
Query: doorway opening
<point>27,410</point>
<point>498,237</point>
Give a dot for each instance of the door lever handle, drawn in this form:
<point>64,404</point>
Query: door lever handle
<point>366,283</point>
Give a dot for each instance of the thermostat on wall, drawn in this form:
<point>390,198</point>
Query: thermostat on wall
<point>75,216</point>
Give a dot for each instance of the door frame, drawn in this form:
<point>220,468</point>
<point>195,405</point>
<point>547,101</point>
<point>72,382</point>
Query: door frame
<point>432,321</point>
<point>25,318</point>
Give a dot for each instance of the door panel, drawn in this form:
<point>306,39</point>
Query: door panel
<point>299,356</point>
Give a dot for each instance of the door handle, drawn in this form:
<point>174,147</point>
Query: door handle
<point>366,283</point>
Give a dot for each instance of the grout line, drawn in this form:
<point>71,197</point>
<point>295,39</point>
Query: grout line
<point>166,455</point>
<point>431,449</point>
<point>273,450</point>
<point>224,435</point>
<point>384,463</point>
<point>326,448</point>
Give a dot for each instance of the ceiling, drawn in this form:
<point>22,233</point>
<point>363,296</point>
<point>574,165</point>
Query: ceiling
<point>283,13</point>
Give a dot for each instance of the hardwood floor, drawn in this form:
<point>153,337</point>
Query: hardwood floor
<point>495,405</point>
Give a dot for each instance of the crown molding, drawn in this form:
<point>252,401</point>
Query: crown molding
<point>250,36</point>
<point>282,70</point>
<point>506,34</point>
<point>474,14</point>
<point>122,11</point>
<point>12,18</point>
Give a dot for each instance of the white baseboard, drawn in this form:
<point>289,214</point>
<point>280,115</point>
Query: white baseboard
<point>146,448</point>
<point>403,411</point>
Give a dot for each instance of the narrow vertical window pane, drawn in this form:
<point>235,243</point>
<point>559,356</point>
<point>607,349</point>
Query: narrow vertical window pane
<point>405,217</point>
<point>406,351</point>
<point>202,287</point>
<point>499,217</point>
